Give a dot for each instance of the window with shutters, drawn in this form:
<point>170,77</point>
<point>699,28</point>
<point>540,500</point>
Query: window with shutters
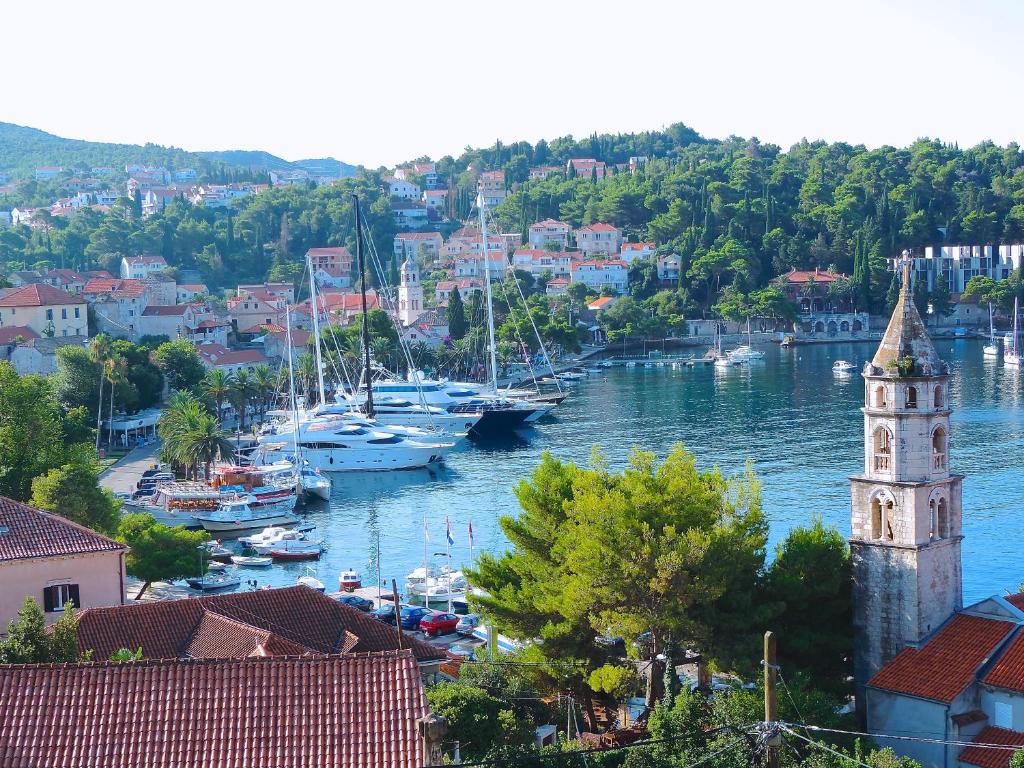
<point>57,596</point>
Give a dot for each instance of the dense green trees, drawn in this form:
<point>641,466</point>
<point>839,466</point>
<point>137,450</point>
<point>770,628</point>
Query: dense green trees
<point>159,552</point>
<point>456,315</point>
<point>669,553</point>
<point>137,383</point>
<point>180,364</point>
<point>32,431</point>
<point>28,642</point>
<point>72,490</point>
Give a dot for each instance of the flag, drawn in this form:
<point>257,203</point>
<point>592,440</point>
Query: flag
<point>471,534</point>
<point>451,539</point>
<point>426,533</point>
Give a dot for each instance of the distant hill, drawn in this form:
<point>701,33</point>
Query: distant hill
<point>23,149</point>
<point>264,161</point>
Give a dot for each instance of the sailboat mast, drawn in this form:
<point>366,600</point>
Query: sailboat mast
<point>291,386</point>
<point>487,283</point>
<point>314,300</point>
<point>366,322</point>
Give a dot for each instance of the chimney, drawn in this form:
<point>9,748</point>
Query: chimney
<point>432,730</point>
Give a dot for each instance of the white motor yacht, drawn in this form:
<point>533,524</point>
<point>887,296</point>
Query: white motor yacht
<point>843,366</point>
<point>237,516</point>
<point>335,444</point>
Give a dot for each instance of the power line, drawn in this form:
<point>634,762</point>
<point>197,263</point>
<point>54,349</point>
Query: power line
<point>584,752</point>
<point>823,747</point>
<point>920,739</point>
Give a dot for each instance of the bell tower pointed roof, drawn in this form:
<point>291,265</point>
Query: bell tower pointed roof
<point>906,336</point>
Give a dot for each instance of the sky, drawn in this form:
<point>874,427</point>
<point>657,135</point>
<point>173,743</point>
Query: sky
<point>382,81</point>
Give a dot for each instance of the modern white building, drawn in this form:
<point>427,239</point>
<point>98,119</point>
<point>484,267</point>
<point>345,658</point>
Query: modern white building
<point>957,264</point>
<point>401,189</point>
<point>630,252</point>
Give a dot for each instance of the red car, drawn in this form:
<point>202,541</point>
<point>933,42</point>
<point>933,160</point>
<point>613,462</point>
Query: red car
<point>438,623</point>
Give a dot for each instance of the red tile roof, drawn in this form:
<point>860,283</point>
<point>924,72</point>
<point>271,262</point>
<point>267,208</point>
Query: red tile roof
<point>797,276</point>
<point>27,532</point>
<point>1017,601</point>
<point>128,287</point>
<point>218,637</point>
<point>947,663</point>
<point>601,302</point>
<point>598,227</point>
<point>298,614</point>
<point>419,235</point>
<point>38,295</point>
<point>10,333</point>
<point>989,757</point>
<point>549,224</point>
<point>357,711</point>
<point>1008,671</point>
<point>638,246</point>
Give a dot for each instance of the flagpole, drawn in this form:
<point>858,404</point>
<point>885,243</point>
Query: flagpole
<point>448,544</point>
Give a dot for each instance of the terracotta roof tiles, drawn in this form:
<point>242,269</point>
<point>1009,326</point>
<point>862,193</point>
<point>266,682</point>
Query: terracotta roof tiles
<point>38,295</point>
<point>947,663</point>
<point>989,757</point>
<point>297,614</point>
<point>357,711</point>
<point>1008,670</point>
<point>27,532</point>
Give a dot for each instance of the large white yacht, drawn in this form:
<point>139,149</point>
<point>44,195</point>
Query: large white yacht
<point>337,444</point>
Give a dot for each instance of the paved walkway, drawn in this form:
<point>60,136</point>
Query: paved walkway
<point>122,477</point>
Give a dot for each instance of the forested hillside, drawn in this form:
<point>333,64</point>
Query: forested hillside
<point>23,149</point>
<point>738,212</point>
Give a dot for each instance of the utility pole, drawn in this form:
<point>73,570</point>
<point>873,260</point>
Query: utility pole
<point>398,612</point>
<point>771,700</point>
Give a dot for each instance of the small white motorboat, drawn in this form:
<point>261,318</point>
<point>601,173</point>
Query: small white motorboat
<point>571,376</point>
<point>315,484</point>
<point>312,582</point>
<point>213,582</point>
<point>216,566</point>
<point>349,580</point>
<point>293,550</point>
<point>267,536</point>
<point>252,561</point>
<point>843,366</point>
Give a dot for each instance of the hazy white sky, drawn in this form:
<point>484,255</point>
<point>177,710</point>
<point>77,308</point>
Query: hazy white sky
<point>380,81</point>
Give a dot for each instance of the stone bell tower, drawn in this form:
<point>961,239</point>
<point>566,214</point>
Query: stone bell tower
<point>906,514</point>
<point>410,293</point>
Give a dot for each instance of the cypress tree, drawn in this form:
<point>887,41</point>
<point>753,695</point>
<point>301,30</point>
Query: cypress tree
<point>456,315</point>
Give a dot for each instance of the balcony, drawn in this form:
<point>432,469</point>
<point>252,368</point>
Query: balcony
<point>882,463</point>
<point>938,461</point>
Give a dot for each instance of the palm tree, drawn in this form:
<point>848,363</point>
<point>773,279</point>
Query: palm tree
<point>217,385</point>
<point>204,441</point>
<point>264,383</point>
<point>100,351</point>
<point>241,394</point>
<point>305,375</point>
<point>117,373</point>
<point>191,435</point>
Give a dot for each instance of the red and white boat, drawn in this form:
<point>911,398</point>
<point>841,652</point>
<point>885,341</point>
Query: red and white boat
<point>349,580</point>
<point>295,550</point>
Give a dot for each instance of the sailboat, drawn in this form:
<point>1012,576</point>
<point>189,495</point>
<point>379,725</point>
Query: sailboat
<point>719,357</point>
<point>992,348</point>
<point>1011,358</point>
<point>746,352</point>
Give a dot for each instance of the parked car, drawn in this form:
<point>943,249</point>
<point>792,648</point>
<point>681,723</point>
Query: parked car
<point>467,624</point>
<point>411,617</point>
<point>357,602</point>
<point>385,613</point>
<point>439,623</point>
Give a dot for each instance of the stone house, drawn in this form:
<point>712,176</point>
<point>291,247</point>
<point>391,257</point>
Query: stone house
<point>46,310</point>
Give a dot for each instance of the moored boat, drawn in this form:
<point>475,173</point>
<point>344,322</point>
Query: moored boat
<point>238,516</point>
<point>349,580</point>
<point>213,582</point>
<point>251,561</point>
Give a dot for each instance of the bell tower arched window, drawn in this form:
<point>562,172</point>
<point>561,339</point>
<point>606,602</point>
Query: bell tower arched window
<point>911,397</point>
<point>943,519</point>
<point>876,518</point>
<point>933,525</point>
<point>880,397</point>
<point>883,449</point>
<point>890,520</point>
<point>938,397</point>
<point>939,448</point>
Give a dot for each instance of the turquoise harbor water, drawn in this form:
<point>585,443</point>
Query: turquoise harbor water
<point>800,424</point>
